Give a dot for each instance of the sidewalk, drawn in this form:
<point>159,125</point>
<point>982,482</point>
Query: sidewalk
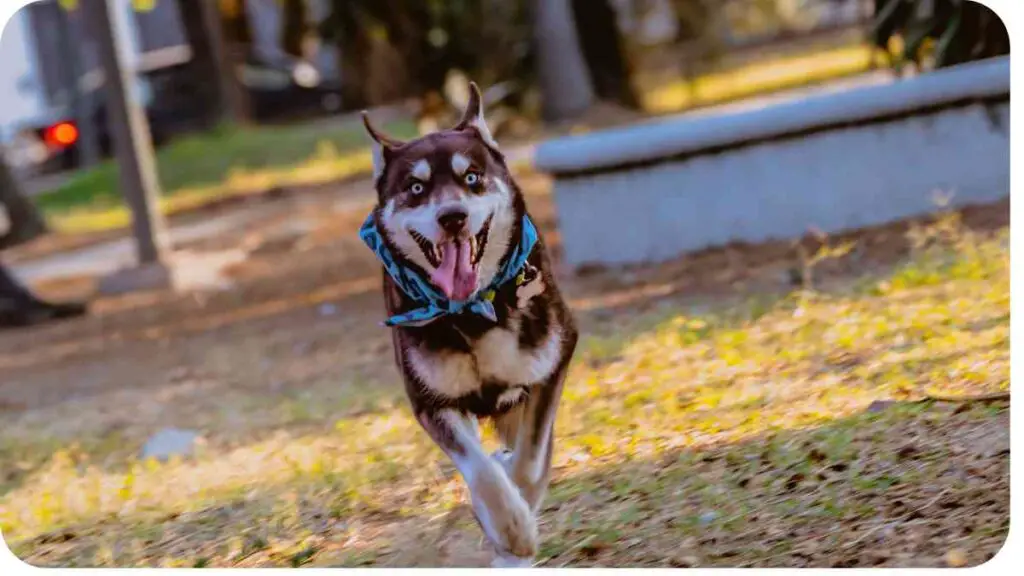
<point>107,257</point>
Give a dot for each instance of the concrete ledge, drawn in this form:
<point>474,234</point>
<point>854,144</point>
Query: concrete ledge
<point>662,139</point>
<point>184,272</point>
<point>840,161</point>
<point>142,278</point>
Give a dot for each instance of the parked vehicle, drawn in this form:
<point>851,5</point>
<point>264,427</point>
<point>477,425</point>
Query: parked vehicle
<point>288,90</point>
<point>57,145</point>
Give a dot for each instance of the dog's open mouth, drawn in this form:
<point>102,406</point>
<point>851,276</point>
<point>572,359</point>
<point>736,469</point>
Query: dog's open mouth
<point>455,262</point>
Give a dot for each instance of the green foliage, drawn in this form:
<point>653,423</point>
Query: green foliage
<point>489,40</point>
<point>946,32</point>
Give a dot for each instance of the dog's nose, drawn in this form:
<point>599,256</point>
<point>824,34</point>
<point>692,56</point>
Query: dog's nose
<point>453,221</point>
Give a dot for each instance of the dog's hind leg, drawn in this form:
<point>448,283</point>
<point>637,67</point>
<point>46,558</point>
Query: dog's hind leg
<point>497,504</point>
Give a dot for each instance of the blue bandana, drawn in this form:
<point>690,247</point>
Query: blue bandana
<point>434,304</point>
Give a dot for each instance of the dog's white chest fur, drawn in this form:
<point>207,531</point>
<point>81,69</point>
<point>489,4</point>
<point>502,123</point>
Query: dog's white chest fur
<point>496,356</point>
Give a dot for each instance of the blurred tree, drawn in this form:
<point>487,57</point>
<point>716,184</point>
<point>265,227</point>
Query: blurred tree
<point>294,27</point>
<point>693,20</point>
<point>751,20</point>
<point>565,82</point>
<point>370,47</point>
<point>604,51</point>
<point>944,32</point>
<point>211,71</point>
<point>235,22</point>
<point>236,39</point>
<point>25,222</point>
<point>403,48</point>
<point>697,36</point>
<point>399,48</point>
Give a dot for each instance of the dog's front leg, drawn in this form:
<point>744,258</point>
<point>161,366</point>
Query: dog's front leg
<point>529,434</point>
<point>497,504</point>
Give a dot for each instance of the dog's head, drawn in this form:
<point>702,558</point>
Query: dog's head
<point>447,204</point>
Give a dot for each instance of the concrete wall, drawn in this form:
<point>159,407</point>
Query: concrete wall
<point>835,162</point>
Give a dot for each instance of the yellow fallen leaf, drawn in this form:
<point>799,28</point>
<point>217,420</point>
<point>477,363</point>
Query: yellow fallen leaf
<point>956,558</point>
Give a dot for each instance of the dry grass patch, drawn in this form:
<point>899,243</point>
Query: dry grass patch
<point>784,432</point>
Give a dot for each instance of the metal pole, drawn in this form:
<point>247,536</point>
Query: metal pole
<point>130,129</point>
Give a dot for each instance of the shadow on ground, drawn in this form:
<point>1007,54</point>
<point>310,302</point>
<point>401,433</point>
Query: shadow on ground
<point>825,496</point>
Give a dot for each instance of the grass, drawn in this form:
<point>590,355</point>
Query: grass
<point>758,78</point>
<point>749,434</point>
<point>229,161</point>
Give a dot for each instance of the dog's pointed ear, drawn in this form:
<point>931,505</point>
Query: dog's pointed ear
<point>473,117</point>
<point>383,147</point>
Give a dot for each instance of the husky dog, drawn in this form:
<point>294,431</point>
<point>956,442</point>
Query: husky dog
<point>478,325</point>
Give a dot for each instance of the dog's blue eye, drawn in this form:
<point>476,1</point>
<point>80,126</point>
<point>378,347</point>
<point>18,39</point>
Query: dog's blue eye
<point>472,179</point>
<point>416,188</point>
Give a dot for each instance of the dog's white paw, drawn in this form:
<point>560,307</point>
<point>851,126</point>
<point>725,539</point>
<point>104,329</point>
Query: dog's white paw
<point>503,514</point>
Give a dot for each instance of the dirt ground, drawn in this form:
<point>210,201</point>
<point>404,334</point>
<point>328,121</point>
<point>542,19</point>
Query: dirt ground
<point>267,356</point>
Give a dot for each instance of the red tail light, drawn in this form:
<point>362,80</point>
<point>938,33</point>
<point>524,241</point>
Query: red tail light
<point>61,135</point>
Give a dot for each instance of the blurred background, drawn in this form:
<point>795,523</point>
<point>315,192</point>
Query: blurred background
<point>190,368</point>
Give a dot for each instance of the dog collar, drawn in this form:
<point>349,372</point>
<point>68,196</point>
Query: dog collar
<point>433,303</point>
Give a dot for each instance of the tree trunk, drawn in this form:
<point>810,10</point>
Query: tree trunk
<point>235,21</point>
<point>211,71</point>
<point>25,221</point>
<point>375,69</point>
<point>561,69</point>
<point>235,38</point>
<point>984,35</point>
<point>603,50</point>
<point>293,27</point>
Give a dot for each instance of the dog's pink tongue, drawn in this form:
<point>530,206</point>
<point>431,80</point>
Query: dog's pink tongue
<point>455,276</point>
<point>444,276</point>
<point>465,275</point>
